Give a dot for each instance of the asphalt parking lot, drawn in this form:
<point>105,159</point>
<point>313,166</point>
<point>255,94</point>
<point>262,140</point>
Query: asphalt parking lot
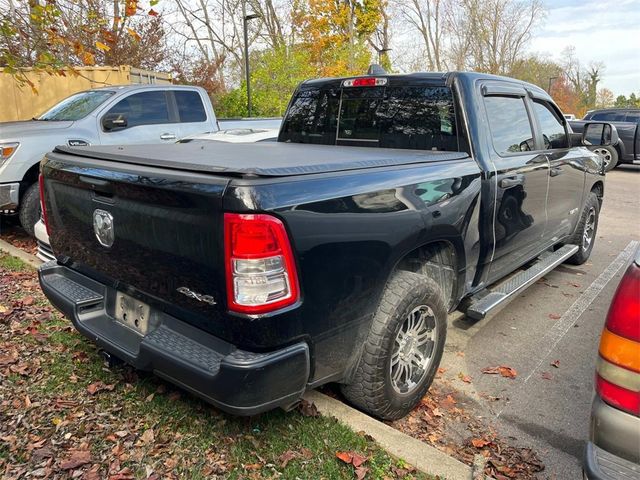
<point>557,320</point>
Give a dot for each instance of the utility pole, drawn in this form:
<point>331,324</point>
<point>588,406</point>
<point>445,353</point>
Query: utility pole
<point>245,20</point>
<point>551,79</point>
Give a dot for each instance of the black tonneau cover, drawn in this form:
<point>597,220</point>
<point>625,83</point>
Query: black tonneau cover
<point>264,159</point>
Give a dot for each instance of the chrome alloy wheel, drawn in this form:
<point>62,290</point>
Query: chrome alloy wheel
<point>605,154</point>
<point>589,229</point>
<point>413,349</point>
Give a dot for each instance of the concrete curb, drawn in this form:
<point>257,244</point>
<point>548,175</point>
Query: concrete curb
<point>424,457</point>
<point>32,260</point>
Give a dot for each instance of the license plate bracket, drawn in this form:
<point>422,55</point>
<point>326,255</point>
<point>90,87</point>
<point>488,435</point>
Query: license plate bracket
<point>132,313</point>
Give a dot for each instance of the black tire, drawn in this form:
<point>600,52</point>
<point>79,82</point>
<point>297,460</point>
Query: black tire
<point>29,211</point>
<point>610,156</point>
<point>591,206</point>
<point>372,387</point>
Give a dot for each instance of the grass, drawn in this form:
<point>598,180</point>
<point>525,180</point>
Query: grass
<point>191,439</point>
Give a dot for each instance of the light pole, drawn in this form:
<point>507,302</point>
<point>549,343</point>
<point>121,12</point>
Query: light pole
<point>245,20</point>
<point>551,79</point>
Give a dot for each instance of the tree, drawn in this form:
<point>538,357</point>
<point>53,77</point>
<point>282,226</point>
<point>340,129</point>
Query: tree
<point>483,35</point>
<point>538,70</point>
<point>604,98</point>
<point>56,36</point>
<point>275,75</point>
<point>336,33</point>
<point>428,17</point>
<point>583,80</point>
<point>623,102</point>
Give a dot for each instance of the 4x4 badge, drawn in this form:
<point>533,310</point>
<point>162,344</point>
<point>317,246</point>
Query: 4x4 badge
<point>103,227</point>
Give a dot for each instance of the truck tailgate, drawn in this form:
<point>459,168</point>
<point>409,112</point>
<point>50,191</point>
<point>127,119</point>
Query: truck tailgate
<point>165,231</point>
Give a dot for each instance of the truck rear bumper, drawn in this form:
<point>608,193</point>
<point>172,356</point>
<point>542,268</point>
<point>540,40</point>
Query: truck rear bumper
<point>236,381</point>
<point>9,196</point>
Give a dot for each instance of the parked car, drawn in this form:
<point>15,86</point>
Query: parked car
<point>248,274</point>
<point>103,116</point>
<point>627,123</point>
<point>569,116</point>
<point>613,451</point>
<point>236,135</point>
<point>251,122</point>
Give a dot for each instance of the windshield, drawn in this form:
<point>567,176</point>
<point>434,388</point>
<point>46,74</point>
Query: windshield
<point>76,106</point>
<point>410,117</point>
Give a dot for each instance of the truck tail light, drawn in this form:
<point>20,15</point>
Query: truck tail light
<point>42,203</point>
<point>259,265</point>
<point>618,368</point>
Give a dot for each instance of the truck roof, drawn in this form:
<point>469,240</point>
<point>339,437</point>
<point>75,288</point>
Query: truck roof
<point>433,77</point>
<point>140,86</point>
<point>270,159</point>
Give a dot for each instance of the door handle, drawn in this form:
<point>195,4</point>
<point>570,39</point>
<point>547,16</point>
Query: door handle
<point>167,136</point>
<point>512,181</point>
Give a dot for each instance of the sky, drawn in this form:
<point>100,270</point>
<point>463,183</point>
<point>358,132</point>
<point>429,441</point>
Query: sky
<point>603,31</point>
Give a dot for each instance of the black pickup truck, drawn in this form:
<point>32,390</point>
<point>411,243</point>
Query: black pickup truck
<point>627,123</point>
<point>250,273</point>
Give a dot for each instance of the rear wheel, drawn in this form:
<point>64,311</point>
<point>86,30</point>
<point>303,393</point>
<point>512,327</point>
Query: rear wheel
<point>403,348</point>
<point>585,235</point>
<point>29,211</point>
<point>609,155</point>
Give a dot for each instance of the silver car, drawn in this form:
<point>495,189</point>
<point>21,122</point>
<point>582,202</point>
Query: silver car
<point>613,451</point>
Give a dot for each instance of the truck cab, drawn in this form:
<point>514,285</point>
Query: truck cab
<point>115,115</point>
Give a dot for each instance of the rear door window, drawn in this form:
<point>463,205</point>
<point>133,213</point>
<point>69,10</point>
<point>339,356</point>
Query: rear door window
<point>509,124</point>
<point>190,107</point>
<point>407,117</point>
<point>608,116</point>
<point>633,117</point>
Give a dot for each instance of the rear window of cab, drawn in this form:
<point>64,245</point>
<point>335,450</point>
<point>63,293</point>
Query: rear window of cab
<point>407,117</point>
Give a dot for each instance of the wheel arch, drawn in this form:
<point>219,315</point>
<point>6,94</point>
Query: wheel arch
<point>598,189</point>
<point>30,177</point>
<point>439,259</point>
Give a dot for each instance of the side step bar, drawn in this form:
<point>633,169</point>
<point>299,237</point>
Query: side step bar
<point>479,308</point>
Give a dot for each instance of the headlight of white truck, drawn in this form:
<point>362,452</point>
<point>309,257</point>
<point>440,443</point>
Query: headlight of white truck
<point>7,150</point>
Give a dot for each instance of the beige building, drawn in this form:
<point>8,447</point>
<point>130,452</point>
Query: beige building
<point>20,102</point>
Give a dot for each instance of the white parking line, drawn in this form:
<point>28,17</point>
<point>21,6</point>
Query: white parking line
<point>566,321</point>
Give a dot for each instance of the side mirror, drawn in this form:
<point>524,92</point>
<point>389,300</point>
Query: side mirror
<point>599,135</point>
<point>114,121</point>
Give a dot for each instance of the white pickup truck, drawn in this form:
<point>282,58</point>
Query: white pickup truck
<point>104,116</point>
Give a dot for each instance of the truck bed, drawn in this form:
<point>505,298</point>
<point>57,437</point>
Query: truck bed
<point>266,159</point>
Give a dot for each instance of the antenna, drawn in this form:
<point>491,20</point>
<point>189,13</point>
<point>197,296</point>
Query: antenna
<point>375,69</point>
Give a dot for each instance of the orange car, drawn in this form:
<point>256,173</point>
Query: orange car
<point>613,451</point>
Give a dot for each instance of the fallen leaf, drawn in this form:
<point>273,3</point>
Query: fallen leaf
<point>76,459</point>
<point>99,387</point>
<point>361,472</point>
<point>253,466</point>
<point>148,436</point>
<point>357,460</point>
<point>346,457</point>
<point>28,300</point>
<point>502,370</point>
<point>286,457</point>
<point>555,363</point>
<point>554,316</point>
<point>547,376</point>
<point>480,442</point>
